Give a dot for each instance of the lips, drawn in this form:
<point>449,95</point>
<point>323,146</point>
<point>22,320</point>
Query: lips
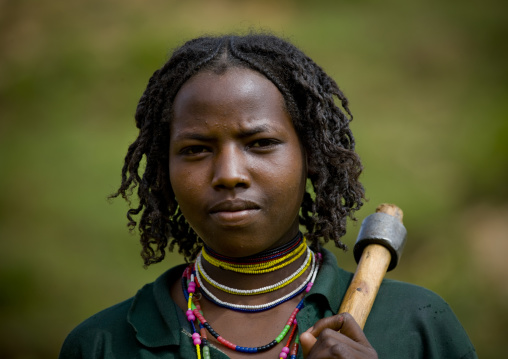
<point>234,212</point>
<point>233,205</point>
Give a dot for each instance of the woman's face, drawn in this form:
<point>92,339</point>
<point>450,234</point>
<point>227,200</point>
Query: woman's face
<point>236,164</point>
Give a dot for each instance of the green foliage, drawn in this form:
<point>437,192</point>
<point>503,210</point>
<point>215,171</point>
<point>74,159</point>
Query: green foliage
<point>427,82</point>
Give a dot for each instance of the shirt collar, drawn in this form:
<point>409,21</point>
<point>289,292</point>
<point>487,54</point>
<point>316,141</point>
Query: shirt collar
<point>153,313</point>
<point>330,285</point>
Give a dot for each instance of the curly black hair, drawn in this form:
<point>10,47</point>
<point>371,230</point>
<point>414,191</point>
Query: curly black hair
<point>333,188</point>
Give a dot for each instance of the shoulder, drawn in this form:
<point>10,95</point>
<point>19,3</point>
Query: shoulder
<point>417,297</point>
<point>94,335</point>
<point>150,318</point>
<point>412,306</point>
<point>406,321</point>
<point>420,320</point>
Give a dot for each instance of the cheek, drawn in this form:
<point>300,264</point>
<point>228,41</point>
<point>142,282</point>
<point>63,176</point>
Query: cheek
<point>287,179</point>
<point>180,182</point>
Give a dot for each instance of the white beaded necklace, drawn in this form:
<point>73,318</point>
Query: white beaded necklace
<point>280,284</point>
<point>310,279</point>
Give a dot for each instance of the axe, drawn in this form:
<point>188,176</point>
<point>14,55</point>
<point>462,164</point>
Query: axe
<point>377,250</point>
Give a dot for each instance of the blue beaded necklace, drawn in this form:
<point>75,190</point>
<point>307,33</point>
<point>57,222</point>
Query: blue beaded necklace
<point>305,286</point>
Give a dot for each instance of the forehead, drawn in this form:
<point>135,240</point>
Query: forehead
<point>238,93</point>
<point>235,83</point>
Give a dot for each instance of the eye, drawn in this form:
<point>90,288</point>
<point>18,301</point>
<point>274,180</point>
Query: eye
<point>194,150</point>
<point>264,143</point>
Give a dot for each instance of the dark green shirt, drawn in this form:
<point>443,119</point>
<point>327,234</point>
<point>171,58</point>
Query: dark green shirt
<point>406,321</point>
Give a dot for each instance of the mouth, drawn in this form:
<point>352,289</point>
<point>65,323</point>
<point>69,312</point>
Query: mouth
<point>235,211</point>
<point>233,205</point>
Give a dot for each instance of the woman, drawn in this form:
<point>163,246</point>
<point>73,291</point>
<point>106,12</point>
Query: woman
<point>244,143</point>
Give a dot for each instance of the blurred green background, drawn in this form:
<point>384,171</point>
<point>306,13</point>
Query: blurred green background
<point>428,85</point>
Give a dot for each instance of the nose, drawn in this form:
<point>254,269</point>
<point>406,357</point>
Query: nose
<point>230,169</point>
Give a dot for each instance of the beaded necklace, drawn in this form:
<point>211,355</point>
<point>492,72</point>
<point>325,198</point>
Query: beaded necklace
<point>262,256</point>
<point>261,307</point>
<point>194,311</point>
<point>260,267</point>
<point>286,281</point>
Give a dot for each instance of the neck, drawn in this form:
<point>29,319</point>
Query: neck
<point>263,256</point>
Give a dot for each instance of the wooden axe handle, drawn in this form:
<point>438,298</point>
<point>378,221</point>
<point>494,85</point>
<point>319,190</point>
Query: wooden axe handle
<point>370,272</point>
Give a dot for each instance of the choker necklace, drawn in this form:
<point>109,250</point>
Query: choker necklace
<point>189,279</point>
<point>260,267</point>
<point>266,289</point>
<point>260,257</point>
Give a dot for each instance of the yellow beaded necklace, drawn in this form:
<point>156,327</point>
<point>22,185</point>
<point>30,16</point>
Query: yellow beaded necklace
<point>266,289</point>
<point>258,268</point>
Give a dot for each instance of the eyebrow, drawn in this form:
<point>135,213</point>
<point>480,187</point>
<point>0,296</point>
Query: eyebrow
<point>253,131</point>
<point>243,133</point>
